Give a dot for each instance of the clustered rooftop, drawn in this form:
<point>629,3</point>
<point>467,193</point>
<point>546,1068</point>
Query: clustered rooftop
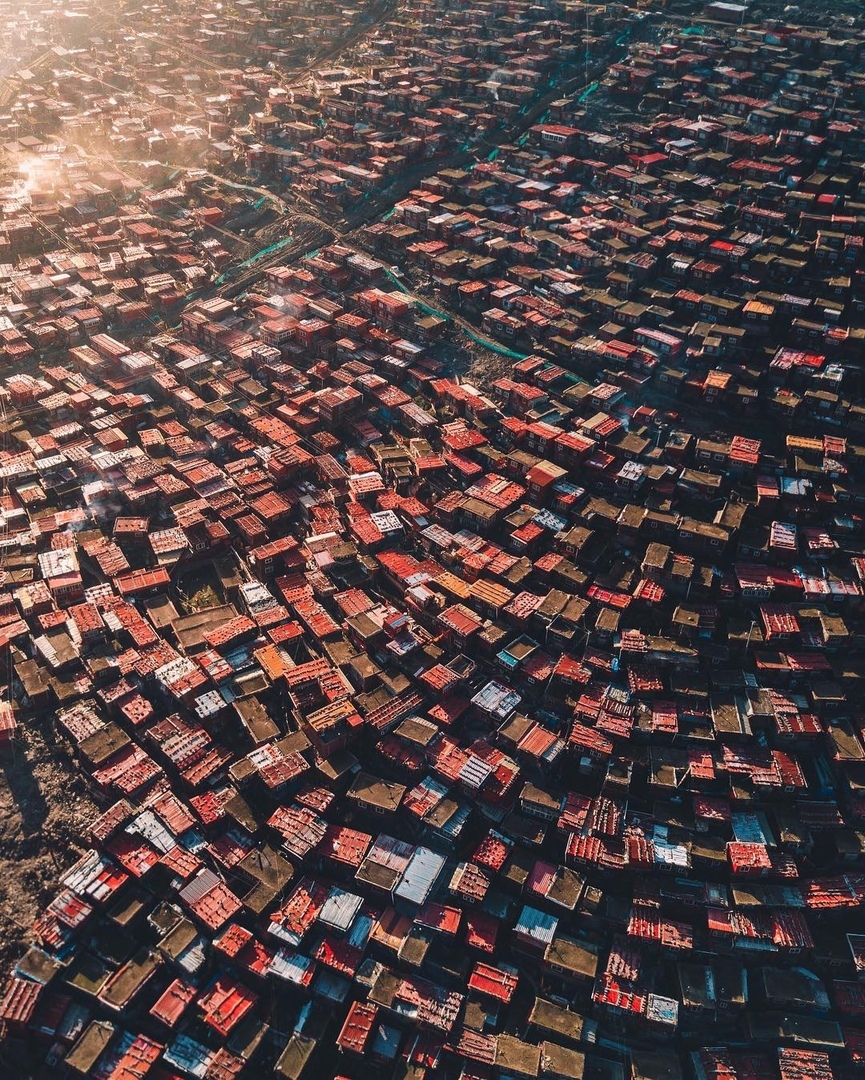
<point>445,723</point>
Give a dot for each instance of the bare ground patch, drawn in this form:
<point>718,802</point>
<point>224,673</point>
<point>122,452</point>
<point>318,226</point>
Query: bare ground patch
<point>44,812</point>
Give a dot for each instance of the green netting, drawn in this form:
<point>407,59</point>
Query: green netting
<point>487,344</point>
<point>253,259</point>
<point>432,311</point>
<point>493,347</point>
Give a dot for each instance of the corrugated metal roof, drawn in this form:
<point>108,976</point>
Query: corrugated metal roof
<point>340,909</point>
<point>420,876</point>
<point>537,925</point>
